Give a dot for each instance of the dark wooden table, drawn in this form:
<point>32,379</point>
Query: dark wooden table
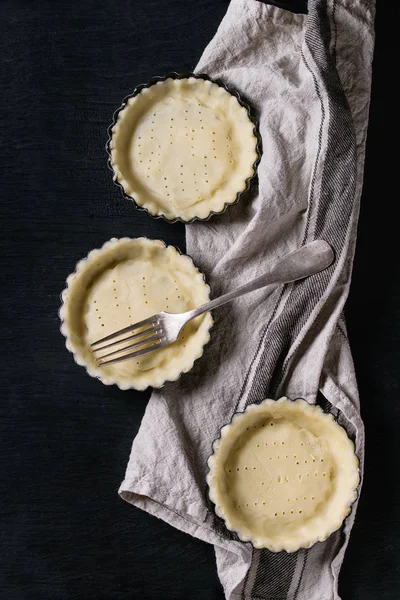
<point>64,532</point>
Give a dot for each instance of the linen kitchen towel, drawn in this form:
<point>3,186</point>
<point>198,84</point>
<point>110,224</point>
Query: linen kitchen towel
<point>308,78</point>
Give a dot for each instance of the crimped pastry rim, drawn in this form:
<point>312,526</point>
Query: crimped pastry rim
<point>187,75</point>
<point>215,495</point>
<point>66,329</point>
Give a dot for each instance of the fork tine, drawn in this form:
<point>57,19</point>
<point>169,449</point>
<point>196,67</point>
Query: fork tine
<point>133,354</point>
<point>125,330</point>
<point>153,338</point>
<point>126,339</point>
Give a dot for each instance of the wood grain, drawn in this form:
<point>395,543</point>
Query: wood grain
<point>64,532</point>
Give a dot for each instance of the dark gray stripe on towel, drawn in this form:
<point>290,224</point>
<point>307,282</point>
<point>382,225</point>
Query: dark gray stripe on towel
<point>274,574</point>
<point>332,211</point>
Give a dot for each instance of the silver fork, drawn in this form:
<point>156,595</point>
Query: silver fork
<point>164,328</point>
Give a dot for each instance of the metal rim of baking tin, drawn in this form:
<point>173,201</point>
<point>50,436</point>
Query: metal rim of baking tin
<point>235,94</point>
<point>214,444</point>
<point>63,299</point>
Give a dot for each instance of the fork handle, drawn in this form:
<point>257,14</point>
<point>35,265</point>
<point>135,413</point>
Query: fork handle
<point>303,262</point>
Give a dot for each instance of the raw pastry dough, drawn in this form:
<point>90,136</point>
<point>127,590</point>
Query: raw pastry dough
<point>124,282</point>
<point>183,148</point>
<point>283,475</point>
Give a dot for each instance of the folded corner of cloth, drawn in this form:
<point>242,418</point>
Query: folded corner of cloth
<point>308,79</point>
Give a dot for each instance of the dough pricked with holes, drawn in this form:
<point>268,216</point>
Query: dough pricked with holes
<point>183,148</point>
<point>123,283</point>
<point>283,475</point>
